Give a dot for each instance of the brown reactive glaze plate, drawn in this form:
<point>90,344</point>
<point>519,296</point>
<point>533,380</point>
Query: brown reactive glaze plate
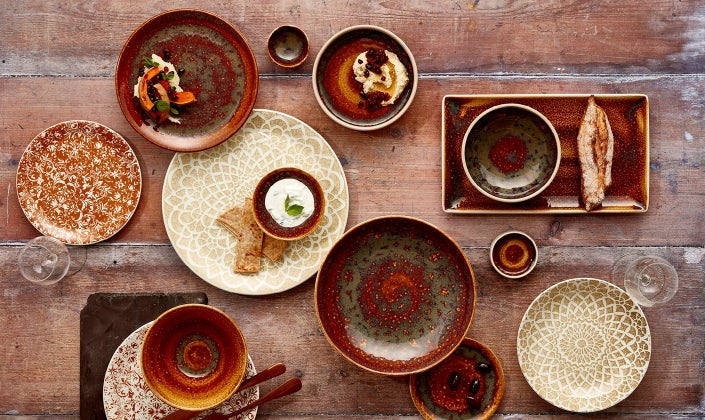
<point>126,395</point>
<point>219,68</point>
<point>79,182</point>
<point>334,84</point>
<point>440,392</point>
<point>395,295</point>
<point>265,220</point>
<point>629,119</point>
<point>193,357</point>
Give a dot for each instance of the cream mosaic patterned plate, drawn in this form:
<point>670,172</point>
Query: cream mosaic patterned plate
<point>199,186</point>
<point>78,181</point>
<point>584,345</point>
<point>127,396</point>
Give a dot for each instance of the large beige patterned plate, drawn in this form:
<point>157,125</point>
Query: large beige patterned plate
<point>584,345</point>
<point>78,181</point>
<point>201,185</point>
<point>127,396</point>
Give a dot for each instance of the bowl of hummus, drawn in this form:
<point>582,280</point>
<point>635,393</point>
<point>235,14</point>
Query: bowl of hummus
<point>288,203</point>
<point>365,78</point>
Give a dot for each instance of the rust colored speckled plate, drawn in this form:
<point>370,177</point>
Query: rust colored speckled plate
<point>335,87</point>
<point>218,67</point>
<point>629,119</point>
<point>441,392</point>
<point>79,181</point>
<point>395,295</point>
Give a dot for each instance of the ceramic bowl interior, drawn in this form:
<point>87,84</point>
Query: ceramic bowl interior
<point>262,204</point>
<point>193,357</point>
<point>395,295</point>
<point>471,370</point>
<point>288,46</point>
<point>513,254</point>
<point>335,87</point>
<point>511,152</point>
<point>215,63</point>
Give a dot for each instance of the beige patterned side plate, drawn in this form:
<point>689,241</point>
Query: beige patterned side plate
<point>584,345</point>
<point>79,181</point>
<point>126,395</point>
<point>201,185</point>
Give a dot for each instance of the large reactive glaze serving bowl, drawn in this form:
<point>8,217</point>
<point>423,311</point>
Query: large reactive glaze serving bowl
<point>193,357</point>
<point>395,295</point>
<point>511,153</point>
<point>584,345</point>
<point>337,91</point>
<point>215,63</point>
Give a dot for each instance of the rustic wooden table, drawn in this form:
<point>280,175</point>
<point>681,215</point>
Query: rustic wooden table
<point>57,63</point>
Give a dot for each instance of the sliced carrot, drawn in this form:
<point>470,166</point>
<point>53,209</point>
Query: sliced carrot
<point>183,98</point>
<point>147,103</point>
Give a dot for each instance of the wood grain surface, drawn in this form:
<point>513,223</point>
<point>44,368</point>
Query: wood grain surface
<point>57,63</point>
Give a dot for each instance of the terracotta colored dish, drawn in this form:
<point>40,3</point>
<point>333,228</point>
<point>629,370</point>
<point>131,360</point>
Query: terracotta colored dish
<point>200,186</point>
<point>513,254</point>
<point>628,116</point>
<point>79,182</point>
<point>335,87</point>
<point>287,46</point>
<point>265,220</point>
<point>441,392</point>
<point>395,295</point>
<point>218,67</point>
<point>584,345</point>
<point>127,396</point>
<point>511,153</point>
<point>193,357</point>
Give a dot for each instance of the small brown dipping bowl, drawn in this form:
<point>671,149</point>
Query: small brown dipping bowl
<point>513,254</point>
<point>193,357</point>
<point>264,218</point>
<point>288,46</point>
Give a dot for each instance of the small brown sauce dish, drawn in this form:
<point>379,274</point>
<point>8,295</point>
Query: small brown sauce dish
<point>513,254</point>
<point>288,46</point>
<point>288,203</point>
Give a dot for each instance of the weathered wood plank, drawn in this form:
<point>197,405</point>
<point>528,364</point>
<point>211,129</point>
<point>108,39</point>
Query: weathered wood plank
<point>473,36</point>
<point>398,170</point>
<point>40,341</point>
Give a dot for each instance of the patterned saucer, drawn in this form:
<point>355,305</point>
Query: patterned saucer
<point>584,345</point>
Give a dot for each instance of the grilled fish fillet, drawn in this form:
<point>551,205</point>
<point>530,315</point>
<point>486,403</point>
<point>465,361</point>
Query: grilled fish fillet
<point>595,151</point>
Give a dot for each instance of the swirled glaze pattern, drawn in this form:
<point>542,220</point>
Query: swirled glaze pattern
<point>584,345</point>
<point>126,395</point>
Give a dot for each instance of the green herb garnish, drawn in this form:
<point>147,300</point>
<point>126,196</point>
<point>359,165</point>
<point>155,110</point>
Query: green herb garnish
<point>149,63</point>
<point>162,105</point>
<point>292,209</point>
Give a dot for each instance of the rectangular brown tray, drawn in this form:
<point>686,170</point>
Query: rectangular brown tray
<point>629,119</point>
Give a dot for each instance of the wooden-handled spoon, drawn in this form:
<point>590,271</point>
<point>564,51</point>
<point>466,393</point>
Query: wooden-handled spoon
<point>256,379</point>
<point>289,387</point>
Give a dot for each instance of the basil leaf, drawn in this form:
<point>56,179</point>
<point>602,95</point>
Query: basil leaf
<point>294,210</point>
<point>162,105</point>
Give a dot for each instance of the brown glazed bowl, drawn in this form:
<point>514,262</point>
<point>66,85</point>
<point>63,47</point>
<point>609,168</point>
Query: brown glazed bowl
<point>287,46</point>
<point>513,254</point>
<point>215,62</point>
<point>193,357</point>
<point>511,153</point>
<point>395,295</point>
<point>338,93</point>
<point>473,371</point>
<point>266,205</point>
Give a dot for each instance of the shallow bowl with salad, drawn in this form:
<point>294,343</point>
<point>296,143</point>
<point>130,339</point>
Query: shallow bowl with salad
<point>186,80</point>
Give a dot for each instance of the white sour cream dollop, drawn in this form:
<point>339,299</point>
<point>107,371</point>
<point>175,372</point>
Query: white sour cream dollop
<point>392,80</point>
<point>297,192</point>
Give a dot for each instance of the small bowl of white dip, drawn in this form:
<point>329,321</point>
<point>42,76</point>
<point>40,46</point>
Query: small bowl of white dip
<point>288,203</point>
